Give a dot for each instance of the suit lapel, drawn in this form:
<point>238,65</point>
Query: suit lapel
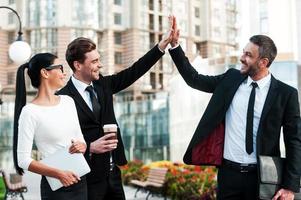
<point>80,101</point>
<point>233,89</point>
<point>269,99</point>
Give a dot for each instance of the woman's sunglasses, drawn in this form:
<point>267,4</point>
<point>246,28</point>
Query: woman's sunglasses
<point>59,66</point>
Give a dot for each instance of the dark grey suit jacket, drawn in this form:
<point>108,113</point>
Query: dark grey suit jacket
<point>281,110</point>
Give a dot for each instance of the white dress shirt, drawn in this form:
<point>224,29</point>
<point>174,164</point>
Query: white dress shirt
<point>81,88</point>
<point>236,120</point>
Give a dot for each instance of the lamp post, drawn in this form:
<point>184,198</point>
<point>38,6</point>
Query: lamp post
<point>19,51</point>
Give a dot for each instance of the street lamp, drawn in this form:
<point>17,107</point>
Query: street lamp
<point>19,51</point>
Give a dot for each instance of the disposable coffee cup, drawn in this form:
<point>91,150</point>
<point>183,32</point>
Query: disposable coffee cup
<point>110,128</point>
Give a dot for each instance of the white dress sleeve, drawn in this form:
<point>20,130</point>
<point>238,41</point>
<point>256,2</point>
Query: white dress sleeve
<point>26,128</point>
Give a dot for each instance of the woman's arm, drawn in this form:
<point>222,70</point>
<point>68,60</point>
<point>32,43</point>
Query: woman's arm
<point>67,178</point>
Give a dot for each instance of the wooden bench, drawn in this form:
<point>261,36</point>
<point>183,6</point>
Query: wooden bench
<point>154,183</point>
<point>13,189</point>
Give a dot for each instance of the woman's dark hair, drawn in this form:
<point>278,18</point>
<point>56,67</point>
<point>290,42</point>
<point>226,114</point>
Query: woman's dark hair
<point>34,66</point>
<point>77,49</point>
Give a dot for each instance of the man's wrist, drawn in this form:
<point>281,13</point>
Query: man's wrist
<point>161,48</point>
<point>174,46</point>
<point>91,149</point>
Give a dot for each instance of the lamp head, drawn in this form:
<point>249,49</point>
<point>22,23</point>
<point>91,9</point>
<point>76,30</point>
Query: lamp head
<point>19,51</point>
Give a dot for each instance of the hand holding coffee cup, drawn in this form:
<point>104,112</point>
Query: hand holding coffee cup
<point>111,129</point>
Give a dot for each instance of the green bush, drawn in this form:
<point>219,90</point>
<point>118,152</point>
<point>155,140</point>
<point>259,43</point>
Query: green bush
<point>2,188</point>
<point>183,181</point>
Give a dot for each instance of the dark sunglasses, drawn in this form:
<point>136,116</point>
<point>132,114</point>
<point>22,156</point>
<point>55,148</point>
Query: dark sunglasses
<point>59,66</point>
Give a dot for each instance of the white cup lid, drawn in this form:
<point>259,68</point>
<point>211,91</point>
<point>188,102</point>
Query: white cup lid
<point>110,126</point>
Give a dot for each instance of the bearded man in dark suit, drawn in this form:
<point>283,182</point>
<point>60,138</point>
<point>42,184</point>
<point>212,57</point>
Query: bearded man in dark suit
<point>243,120</point>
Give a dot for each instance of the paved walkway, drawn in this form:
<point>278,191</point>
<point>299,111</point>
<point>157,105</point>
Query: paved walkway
<point>33,183</point>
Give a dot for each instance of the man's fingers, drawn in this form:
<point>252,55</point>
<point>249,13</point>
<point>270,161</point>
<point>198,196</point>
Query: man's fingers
<point>283,194</point>
<point>278,194</point>
<point>110,147</point>
<point>170,35</point>
<point>108,136</point>
<point>109,142</point>
<point>174,22</point>
<point>170,21</point>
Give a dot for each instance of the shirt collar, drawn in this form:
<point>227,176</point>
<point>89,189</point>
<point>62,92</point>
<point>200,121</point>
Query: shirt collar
<point>262,82</point>
<point>79,85</point>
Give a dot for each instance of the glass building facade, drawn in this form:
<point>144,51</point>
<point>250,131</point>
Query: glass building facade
<point>6,135</point>
<point>286,71</point>
<point>144,126</point>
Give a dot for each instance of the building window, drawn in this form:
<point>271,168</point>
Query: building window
<point>160,6</point>
<point>152,40</point>
<point>217,14</point>
<point>11,18</point>
<point>153,80</point>
<point>197,12</point>
<point>151,4</point>
<point>117,38</point>
<point>117,18</point>
<point>263,15</point>
<point>11,37</point>
<point>264,25</point>
<point>11,1</point>
<point>151,22</point>
<point>44,38</point>
<point>117,2</point>
<point>10,78</point>
<point>231,34</point>
<point>216,32</point>
<point>161,80</point>
<point>118,58</point>
<point>216,50</point>
<point>231,18</point>
<point>197,30</point>
<point>160,23</point>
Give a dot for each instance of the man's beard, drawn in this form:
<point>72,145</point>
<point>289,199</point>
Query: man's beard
<point>252,69</point>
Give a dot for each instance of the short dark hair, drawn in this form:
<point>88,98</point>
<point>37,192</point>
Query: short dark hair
<point>267,47</point>
<point>77,49</point>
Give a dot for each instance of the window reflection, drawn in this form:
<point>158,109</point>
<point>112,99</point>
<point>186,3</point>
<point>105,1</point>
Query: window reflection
<point>144,126</point>
<point>286,72</point>
<point>42,40</point>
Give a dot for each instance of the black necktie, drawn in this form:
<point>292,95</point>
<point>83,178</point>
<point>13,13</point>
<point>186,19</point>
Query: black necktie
<point>250,116</point>
<point>95,103</point>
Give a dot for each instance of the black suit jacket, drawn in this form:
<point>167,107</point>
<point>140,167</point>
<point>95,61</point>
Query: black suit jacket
<point>281,109</point>
<point>91,128</point>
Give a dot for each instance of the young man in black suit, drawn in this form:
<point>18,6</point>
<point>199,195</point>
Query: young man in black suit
<point>95,108</point>
<point>243,120</point>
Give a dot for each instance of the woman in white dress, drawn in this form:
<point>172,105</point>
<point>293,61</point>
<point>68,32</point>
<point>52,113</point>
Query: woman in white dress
<point>50,121</point>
